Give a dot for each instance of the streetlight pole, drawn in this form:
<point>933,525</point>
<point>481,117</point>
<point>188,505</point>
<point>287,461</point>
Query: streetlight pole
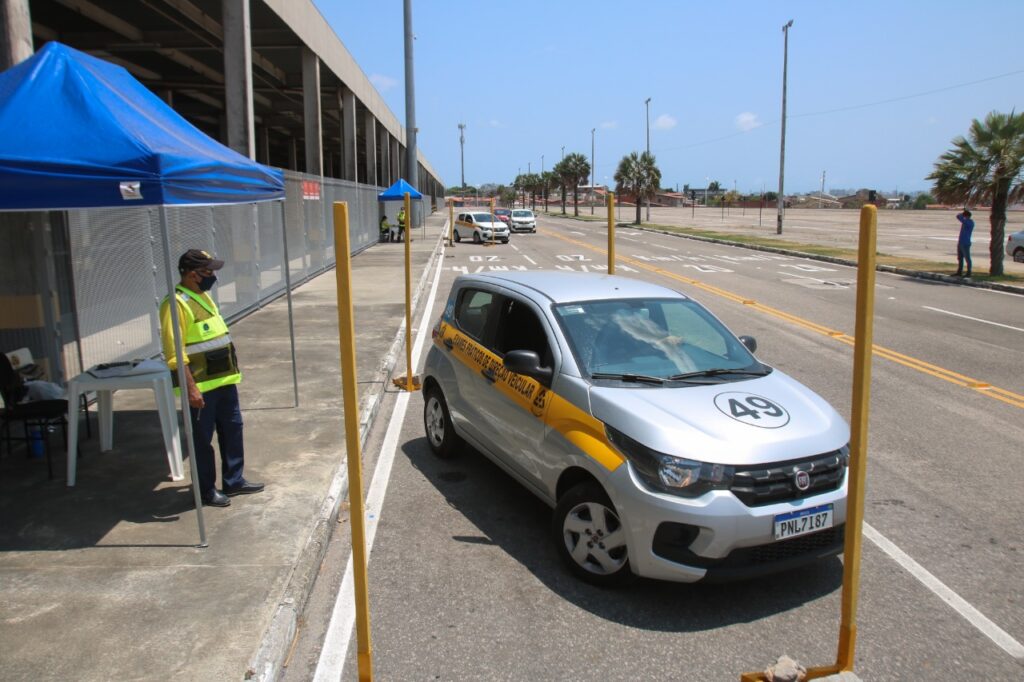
<point>592,170</point>
<point>411,152</point>
<point>780,202</point>
<point>563,152</point>
<point>647,106</point>
<point>822,194</point>
<point>462,155</point>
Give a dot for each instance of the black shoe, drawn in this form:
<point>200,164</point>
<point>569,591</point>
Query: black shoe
<point>216,499</point>
<point>958,274</point>
<point>244,488</point>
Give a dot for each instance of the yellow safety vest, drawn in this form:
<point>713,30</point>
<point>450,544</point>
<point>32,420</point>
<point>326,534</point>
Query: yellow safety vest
<point>211,354</point>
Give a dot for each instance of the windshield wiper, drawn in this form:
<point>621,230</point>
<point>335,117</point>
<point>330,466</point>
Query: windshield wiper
<point>719,371</point>
<point>639,378</point>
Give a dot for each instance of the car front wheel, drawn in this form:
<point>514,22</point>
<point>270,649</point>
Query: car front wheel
<point>1018,255</point>
<point>437,422</point>
<point>457,237</point>
<point>589,536</point>
<point>476,237</point>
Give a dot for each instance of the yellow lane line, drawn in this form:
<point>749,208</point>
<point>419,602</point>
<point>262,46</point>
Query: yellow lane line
<point>984,388</point>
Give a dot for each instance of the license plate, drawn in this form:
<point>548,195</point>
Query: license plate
<point>802,522</point>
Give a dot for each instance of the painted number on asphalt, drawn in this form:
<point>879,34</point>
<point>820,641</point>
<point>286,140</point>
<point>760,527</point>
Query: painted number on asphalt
<point>574,258</point>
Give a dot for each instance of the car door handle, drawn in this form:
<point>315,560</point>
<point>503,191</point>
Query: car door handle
<point>488,374</point>
<point>449,344</point>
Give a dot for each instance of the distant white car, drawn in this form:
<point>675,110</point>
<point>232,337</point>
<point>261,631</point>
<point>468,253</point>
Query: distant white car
<point>1015,246</point>
<point>523,220</point>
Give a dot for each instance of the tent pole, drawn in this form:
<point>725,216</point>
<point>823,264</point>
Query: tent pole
<point>288,289</point>
<point>186,415</point>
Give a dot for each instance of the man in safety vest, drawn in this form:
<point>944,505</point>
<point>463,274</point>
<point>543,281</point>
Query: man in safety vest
<point>401,226</point>
<point>212,376</point>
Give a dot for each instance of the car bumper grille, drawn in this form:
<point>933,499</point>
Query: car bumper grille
<point>762,484</point>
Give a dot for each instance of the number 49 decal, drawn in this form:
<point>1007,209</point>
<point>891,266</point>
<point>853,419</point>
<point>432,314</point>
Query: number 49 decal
<point>752,409</point>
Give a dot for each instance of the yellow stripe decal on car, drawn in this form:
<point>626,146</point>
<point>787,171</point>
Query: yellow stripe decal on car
<point>578,427</point>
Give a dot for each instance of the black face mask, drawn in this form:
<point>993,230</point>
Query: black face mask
<point>206,283</point>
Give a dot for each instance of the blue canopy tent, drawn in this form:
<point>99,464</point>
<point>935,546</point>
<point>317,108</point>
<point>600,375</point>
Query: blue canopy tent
<point>80,132</point>
<point>397,191</point>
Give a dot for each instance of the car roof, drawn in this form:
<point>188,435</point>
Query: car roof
<point>560,286</point>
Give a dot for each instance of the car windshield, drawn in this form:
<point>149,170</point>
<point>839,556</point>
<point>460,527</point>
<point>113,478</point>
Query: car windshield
<point>501,211</point>
<point>483,218</point>
<point>522,214</point>
<point>661,338</point>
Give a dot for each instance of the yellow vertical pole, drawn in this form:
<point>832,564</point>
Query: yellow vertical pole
<point>350,395</point>
<point>611,233</point>
<point>863,331</point>
<point>408,382</point>
<point>451,223</point>
<point>494,217</point>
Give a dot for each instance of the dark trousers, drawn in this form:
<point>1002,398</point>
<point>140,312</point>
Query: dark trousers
<point>963,253</point>
<point>221,415</point>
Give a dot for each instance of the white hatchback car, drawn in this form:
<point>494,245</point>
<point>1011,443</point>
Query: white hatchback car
<point>665,447</point>
<point>523,220</point>
<point>1015,246</point>
<point>480,226</point>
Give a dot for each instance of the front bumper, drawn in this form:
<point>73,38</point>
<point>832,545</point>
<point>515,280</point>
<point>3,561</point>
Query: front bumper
<point>716,537</point>
<point>524,227</point>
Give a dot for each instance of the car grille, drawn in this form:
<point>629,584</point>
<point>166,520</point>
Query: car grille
<point>762,484</point>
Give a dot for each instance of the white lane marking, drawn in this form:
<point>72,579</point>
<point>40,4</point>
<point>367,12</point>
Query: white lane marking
<point>514,247</point>
<point>330,666</point>
<point>582,234</point>
<point>667,248</point>
<point>976,319</point>
<point>529,259</point>
<point>958,603</point>
<point>813,279</point>
<point>630,239</point>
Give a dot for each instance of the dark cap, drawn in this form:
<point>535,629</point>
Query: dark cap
<point>196,259</point>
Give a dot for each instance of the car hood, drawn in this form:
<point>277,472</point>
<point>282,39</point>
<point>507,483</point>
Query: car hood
<point>491,226</point>
<point>767,419</point>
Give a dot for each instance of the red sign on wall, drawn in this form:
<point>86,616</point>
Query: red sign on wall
<point>310,190</point>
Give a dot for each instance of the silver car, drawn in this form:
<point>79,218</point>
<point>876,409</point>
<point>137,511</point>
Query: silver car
<point>665,447</point>
<point>523,220</point>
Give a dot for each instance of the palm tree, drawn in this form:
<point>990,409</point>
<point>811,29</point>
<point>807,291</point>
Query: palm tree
<point>986,167</point>
<point>531,182</point>
<point>577,170</point>
<point>548,178</point>
<point>638,174</point>
<point>562,177</point>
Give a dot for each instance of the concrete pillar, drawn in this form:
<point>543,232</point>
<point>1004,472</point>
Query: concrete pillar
<point>263,145</point>
<point>349,169</point>
<point>385,158</point>
<point>370,142</point>
<point>238,76</point>
<point>396,160</point>
<point>293,153</point>
<point>16,34</point>
<point>311,112</point>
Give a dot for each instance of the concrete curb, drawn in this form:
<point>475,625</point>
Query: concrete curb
<point>996,286</point>
<point>268,660</point>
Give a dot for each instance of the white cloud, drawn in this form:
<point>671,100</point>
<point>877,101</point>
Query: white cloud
<point>608,125</point>
<point>382,82</point>
<point>495,123</point>
<point>665,122</point>
<point>747,121</point>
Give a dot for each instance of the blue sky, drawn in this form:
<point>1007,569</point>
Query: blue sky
<point>528,77</point>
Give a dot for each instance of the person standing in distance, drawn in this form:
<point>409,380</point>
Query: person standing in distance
<point>212,375</point>
<point>963,244</point>
<point>401,226</point>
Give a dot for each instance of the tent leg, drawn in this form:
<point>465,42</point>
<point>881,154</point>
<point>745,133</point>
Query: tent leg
<point>186,417</point>
<point>288,290</point>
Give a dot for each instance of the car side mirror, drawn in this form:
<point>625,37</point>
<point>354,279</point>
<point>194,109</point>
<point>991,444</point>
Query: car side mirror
<point>750,342</point>
<point>527,363</point>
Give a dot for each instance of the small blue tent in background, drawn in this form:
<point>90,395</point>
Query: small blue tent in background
<point>396,192</point>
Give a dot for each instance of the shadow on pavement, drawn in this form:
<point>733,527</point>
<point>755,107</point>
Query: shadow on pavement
<point>123,484</point>
<point>517,522</point>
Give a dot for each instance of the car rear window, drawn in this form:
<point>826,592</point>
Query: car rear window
<point>471,313</point>
<point>522,214</point>
<point>483,217</point>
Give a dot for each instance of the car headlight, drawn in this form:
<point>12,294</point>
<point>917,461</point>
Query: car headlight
<point>668,473</point>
